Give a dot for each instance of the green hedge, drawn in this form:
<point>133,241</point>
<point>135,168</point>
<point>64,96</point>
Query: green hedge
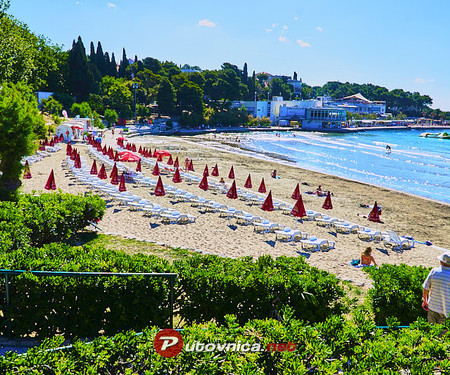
<point>331,347</point>
<point>397,292</point>
<point>46,218</point>
<point>212,287</point>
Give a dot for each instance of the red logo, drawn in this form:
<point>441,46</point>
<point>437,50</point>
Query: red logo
<point>168,343</point>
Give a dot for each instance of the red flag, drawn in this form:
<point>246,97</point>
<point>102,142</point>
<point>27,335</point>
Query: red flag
<point>299,208</point>
<point>248,183</point>
<point>94,168</point>
<point>215,171</point>
<point>170,161</point>
<point>327,205</point>
<point>268,203</point>
<point>205,171</point>
<point>231,174</point>
<point>203,183</point>
<point>138,166</point>
<point>27,172</point>
<point>159,189</point>
<point>232,193</point>
<point>122,186</point>
<point>176,164</point>
<point>374,214</point>
<point>176,177</point>
<point>51,185</point>
<point>155,170</point>
<point>102,173</point>
<point>296,193</point>
<point>262,187</point>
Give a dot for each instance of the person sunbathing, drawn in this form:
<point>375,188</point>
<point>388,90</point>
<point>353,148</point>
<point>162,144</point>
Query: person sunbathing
<point>366,258</point>
<point>274,173</point>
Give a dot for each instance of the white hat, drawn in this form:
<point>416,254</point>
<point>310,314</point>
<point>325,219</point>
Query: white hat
<point>444,257</point>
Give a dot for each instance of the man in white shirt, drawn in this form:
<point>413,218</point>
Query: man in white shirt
<point>436,291</point>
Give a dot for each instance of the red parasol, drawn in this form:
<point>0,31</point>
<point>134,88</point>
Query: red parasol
<point>231,174</point>
<point>176,164</point>
<point>159,157</point>
<point>77,163</point>
<point>176,177</point>
<point>154,153</point>
<point>203,183</point>
<point>128,156</point>
<point>205,171</point>
<point>104,151</point>
<point>374,214</point>
<point>68,149</point>
<point>156,170</point>
<point>61,137</point>
<point>299,208</point>
<point>268,203</point>
<point>170,161</point>
<point>159,189</point>
<point>51,185</point>
<point>248,183</point>
<point>262,187</point>
<point>191,166</point>
<point>102,173</point>
<point>138,166</point>
<point>296,193</point>
<point>73,155</point>
<point>327,205</point>
<point>232,193</point>
<point>162,153</point>
<point>215,171</point>
<point>94,168</point>
<point>27,172</point>
<point>140,150</point>
<point>122,186</point>
<point>133,147</point>
<point>116,156</point>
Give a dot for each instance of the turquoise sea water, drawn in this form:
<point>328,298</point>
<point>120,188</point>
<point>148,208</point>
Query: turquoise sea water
<point>416,165</point>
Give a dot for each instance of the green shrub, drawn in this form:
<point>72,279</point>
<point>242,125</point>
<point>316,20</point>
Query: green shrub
<point>397,292</point>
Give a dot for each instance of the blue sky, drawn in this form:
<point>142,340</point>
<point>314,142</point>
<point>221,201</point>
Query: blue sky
<point>395,44</point>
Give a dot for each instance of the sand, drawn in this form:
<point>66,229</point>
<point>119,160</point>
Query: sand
<point>423,219</point>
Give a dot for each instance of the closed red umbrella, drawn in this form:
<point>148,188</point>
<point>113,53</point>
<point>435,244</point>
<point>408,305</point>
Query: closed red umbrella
<point>115,178</point>
<point>299,208</point>
<point>374,214</point>
<point>215,171</point>
<point>116,156</point>
<point>159,157</point>
<point>205,171</point>
<point>51,185</point>
<point>262,187</point>
<point>327,205</point>
<point>159,189</point>
<point>203,183</point>
<point>176,164</point>
<point>73,155</point>
<point>105,150</point>
<point>26,171</point>
<point>68,149</point>
<point>231,174</point>
<point>77,163</point>
<point>133,147</point>
<point>138,166</point>
<point>268,203</point>
<point>176,177</point>
<point>122,186</point>
<point>232,193</point>
<point>191,166</point>
<point>248,183</point>
<point>114,171</point>
<point>102,173</point>
<point>296,193</point>
<point>155,170</point>
<point>154,154</point>
<point>170,161</point>
<point>94,168</point>
<point>140,150</point>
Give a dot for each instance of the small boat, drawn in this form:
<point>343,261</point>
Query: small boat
<point>443,135</point>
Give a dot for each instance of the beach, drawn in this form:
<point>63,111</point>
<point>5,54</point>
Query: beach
<point>408,215</point>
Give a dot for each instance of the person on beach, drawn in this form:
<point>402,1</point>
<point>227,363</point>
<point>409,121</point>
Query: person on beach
<point>222,181</point>
<point>274,173</point>
<point>436,291</point>
<point>367,259</point>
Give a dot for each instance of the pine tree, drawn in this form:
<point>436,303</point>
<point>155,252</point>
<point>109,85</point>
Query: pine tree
<point>123,65</point>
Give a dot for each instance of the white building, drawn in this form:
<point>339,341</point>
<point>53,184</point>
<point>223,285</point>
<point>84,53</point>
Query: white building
<point>359,104</point>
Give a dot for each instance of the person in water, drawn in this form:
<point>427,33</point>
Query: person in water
<point>388,149</point>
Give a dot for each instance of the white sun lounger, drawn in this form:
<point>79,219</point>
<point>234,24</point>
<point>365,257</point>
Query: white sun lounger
<point>396,242</point>
<point>367,234</point>
<point>265,226</point>
<point>317,244</point>
<point>346,227</point>
<point>288,235</point>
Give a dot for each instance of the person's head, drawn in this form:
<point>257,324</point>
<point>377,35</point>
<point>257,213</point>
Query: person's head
<point>445,259</point>
<point>367,252</point>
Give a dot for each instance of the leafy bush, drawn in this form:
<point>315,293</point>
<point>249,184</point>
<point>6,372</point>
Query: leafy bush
<point>397,292</point>
<point>334,346</point>
<point>211,287</point>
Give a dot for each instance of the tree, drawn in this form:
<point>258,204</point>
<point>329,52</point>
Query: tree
<point>295,76</point>
<point>20,125</point>
<point>190,97</point>
<point>51,106</point>
<point>81,109</point>
<point>110,116</point>
<point>166,97</point>
<point>124,63</point>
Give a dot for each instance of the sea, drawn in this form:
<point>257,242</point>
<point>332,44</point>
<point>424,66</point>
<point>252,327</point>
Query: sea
<point>415,165</point>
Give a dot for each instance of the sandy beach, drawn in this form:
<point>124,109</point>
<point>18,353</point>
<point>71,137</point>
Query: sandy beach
<point>424,220</point>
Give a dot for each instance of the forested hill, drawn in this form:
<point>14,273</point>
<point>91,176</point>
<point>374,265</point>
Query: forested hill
<point>411,104</point>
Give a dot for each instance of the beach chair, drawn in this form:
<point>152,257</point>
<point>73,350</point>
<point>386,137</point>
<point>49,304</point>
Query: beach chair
<point>367,234</point>
<point>265,226</point>
<point>316,244</point>
<point>345,227</point>
<point>245,218</point>
<point>313,215</point>
<point>171,218</point>
<point>326,221</point>
<point>288,235</point>
<point>228,212</point>
<point>198,201</point>
<point>394,241</point>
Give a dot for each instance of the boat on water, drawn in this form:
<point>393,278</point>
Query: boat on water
<point>442,135</point>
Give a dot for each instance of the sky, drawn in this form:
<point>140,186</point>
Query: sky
<point>396,44</point>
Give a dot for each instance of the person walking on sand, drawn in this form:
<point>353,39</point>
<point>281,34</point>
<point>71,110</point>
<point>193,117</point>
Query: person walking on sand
<point>366,258</point>
<point>436,291</point>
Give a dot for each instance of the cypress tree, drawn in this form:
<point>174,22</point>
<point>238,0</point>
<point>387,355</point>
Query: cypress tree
<point>101,61</point>
<point>295,76</point>
<point>92,56</point>
<point>245,74</point>
<point>80,79</point>
<point>112,70</point>
<point>124,63</point>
